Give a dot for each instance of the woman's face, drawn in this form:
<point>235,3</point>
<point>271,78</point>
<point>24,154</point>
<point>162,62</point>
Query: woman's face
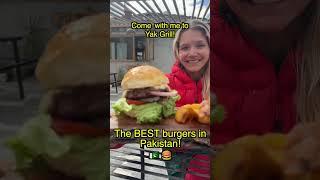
<point>194,50</point>
<point>267,15</point>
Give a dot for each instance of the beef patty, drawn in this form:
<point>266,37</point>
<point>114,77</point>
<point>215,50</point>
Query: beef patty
<point>142,93</point>
<point>82,103</point>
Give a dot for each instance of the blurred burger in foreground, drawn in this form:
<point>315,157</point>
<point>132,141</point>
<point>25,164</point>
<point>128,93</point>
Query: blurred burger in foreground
<point>67,140</point>
<point>146,96</point>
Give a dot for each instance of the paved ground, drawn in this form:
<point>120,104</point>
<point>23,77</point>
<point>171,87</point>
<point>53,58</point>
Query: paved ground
<point>14,112</point>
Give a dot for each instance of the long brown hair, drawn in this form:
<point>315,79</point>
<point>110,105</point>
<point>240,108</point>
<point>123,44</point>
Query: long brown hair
<point>308,68</point>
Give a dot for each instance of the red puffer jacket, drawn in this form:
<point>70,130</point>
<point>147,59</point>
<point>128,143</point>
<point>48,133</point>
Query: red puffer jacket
<point>188,89</point>
<point>256,99</point>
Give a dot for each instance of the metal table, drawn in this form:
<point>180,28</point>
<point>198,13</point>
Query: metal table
<point>132,162</point>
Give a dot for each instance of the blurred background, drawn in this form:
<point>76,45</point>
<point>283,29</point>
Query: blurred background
<point>26,27</point>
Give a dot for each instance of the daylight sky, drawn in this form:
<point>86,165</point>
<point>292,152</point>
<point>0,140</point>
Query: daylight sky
<point>189,6</point>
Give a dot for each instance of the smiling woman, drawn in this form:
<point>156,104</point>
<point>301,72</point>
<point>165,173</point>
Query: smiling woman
<point>193,52</point>
<point>190,74</point>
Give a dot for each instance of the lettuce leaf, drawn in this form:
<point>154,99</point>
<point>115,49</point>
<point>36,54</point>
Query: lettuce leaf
<point>168,106</point>
<point>87,157</point>
<point>121,106</point>
<point>147,113</point>
<point>37,138</point>
<point>150,113</point>
<point>70,154</point>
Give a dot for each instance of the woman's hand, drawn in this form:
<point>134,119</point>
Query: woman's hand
<point>204,108</point>
<point>303,148</point>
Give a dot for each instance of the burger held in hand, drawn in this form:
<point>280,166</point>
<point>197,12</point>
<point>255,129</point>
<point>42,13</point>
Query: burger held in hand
<point>67,139</point>
<point>147,96</point>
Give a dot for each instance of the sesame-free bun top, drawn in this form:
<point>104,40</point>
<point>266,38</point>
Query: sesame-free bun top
<point>142,77</point>
<point>76,55</point>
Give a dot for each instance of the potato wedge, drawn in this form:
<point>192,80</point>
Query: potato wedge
<point>195,106</point>
<point>204,119</point>
<point>185,114</point>
<point>190,112</point>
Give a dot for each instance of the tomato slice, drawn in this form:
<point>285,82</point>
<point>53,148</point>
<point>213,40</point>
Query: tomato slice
<point>135,102</point>
<point>63,127</point>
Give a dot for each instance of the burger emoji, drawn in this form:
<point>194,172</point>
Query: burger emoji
<point>166,155</point>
